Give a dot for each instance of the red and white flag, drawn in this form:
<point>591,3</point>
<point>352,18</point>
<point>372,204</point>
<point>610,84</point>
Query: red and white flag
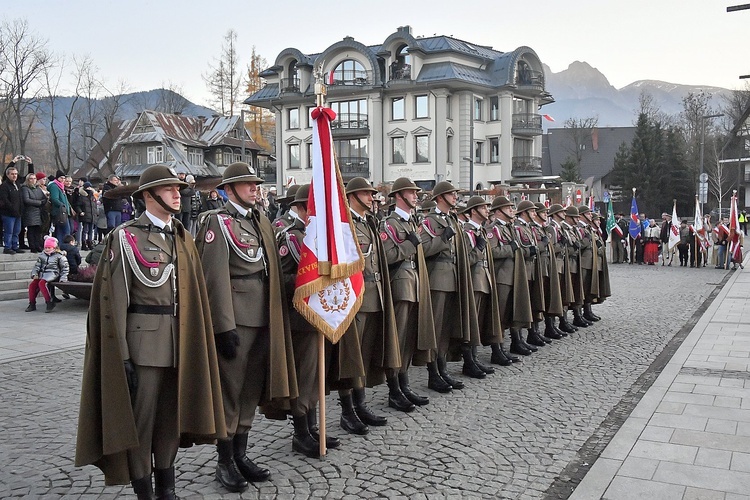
<point>674,228</point>
<point>330,283</point>
<point>548,118</point>
<point>735,242</point>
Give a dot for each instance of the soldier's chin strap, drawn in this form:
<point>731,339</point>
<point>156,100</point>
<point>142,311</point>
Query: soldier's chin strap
<point>450,205</point>
<point>411,206</point>
<point>484,219</point>
<point>244,203</point>
<point>362,203</point>
<point>163,205</point>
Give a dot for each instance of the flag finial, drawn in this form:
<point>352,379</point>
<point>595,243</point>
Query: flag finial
<point>633,191</point>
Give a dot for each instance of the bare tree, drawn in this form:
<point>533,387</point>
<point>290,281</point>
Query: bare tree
<point>722,178</point>
<point>223,79</point>
<point>25,58</point>
<point>580,137</point>
<point>171,99</point>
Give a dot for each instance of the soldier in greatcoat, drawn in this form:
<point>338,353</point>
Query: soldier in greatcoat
<point>150,375</point>
<point>410,292</point>
<point>451,289</point>
<point>551,279</point>
<point>483,281</point>
<point>528,243</point>
<point>559,240</point>
<point>589,263</point>
<point>514,303</point>
<point>575,245</point>
<point>246,290</point>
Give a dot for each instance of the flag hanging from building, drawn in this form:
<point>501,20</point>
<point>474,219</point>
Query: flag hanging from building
<point>330,283</point>
<point>635,223</point>
<point>674,228</point>
<point>611,222</point>
<point>735,247</point>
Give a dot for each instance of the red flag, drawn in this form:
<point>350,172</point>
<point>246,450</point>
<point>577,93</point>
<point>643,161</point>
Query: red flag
<point>735,247</point>
<point>548,118</point>
<point>329,283</point>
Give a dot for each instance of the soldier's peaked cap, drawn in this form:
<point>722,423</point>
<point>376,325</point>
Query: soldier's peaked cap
<point>556,209</point>
<point>571,211</point>
<point>403,184</point>
<point>476,201</point>
<point>157,175</point>
<point>500,202</point>
<point>427,205</point>
<point>541,207</point>
<point>443,187</point>
<point>289,196</point>
<point>525,205</point>
<point>359,184</point>
<point>302,194</point>
<point>239,172</point>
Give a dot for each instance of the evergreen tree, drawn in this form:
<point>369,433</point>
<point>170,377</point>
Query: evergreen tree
<point>571,172</point>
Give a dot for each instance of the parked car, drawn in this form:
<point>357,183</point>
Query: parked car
<point>715,214</point>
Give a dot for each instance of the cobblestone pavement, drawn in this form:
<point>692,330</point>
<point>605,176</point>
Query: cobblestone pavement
<point>512,435</point>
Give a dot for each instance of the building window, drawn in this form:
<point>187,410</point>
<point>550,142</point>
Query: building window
<point>398,149</point>
<point>294,160</point>
<point>195,156</point>
<point>397,109</point>
<point>353,157</point>
<point>421,107</point>
<point>522,105</point>
<point>478,151</point>
<point>494,108</point>
<point>294,118</point>
<point>220,157</point>
<point>494,150</point>
<point>478,109</point>
<point>309,155</point>
<point>448,105</point>
<point>309,116</point>
<point>449,148</point>
<point>350,114</point>
<point>422,143</point>
<point>349,72</point>
<point>237,156</point>
<point>155,154</point>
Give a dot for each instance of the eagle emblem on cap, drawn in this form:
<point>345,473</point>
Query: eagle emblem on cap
<point>172,171</point>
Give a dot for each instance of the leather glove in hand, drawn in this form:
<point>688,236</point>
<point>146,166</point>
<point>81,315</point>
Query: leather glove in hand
<point>414,238</point>
<point>514,245</point>
<point>448,233</point>
<point>226,343</point>
<point>131,376</point>
<point>481,243</point>
<point>532,250</point>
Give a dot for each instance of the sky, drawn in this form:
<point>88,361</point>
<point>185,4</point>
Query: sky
<point>150,43</point>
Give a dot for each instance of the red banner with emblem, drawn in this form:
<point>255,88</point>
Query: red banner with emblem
<point>329,284</point>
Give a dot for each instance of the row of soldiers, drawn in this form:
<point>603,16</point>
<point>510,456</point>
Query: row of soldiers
<point>186,339</point>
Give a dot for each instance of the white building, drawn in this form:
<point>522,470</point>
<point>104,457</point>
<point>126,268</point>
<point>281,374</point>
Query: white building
<point>428,108</point>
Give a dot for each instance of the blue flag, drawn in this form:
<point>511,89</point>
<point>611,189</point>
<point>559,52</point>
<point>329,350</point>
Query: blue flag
<point>635,224</point>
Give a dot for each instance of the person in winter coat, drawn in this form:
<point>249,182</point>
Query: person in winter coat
<point>61,210</point>
<point>70,249</point>
<point>213,201</point>
<point>86,210</point>
<point>51,266</point>
<point>10,208</point>
<point>102,227</point>
<point>33,200</point>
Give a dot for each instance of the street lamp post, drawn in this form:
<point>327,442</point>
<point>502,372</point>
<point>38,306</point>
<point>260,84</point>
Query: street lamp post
<point>703,140</point>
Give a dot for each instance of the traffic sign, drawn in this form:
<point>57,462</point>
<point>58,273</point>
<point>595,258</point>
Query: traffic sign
<point>605,197</point>
<point>703,192</point>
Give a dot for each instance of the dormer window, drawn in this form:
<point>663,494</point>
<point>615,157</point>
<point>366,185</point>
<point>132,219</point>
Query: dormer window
<point>349,72</point>
<point>401,65</point>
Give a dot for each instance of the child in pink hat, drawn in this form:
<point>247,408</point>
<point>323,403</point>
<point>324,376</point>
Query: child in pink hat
<point>51,266</point>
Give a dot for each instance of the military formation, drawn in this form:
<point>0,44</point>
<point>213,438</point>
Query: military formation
<point>188,339</point>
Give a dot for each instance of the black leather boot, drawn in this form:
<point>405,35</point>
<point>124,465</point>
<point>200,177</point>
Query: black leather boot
<point>302,441</point>
<point>578,319</point>
<point>588,314</point>
<point>435,381</point>
<point>517,346</point>
<point>226,470</point>
<point>363,412</point>
<point>498,356</point>
<point>143,488</point>
<point>164,482</point>
<point>511,357</point>
<point>486,369</point>
<point>538,333</point>
<point>470,368</point>
<point>565,325</point>
<point>251,472</point>
<point>442,365</point>
<point>549,329</point>
<point>396,398</point>
<point>312,425</point>
<point>557,330</point>
<point>403,382</point>
<point>350,422</point>
<point>533,339</point>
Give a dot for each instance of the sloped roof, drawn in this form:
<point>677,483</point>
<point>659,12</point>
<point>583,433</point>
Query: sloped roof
<point>449,44</point>
<point>597,157</point>
<point>453,71</point>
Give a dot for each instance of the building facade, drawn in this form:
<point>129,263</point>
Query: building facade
<point>429,108</point>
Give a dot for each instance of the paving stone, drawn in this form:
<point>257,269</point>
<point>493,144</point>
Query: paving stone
<point>703,477</point>
<point>702,494</point>
<point>625,488</point>
<point>709,457</point>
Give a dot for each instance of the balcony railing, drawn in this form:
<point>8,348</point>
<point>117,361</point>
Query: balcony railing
<point>400,72</point>
<point>530,78</point>
<point>354,166</point>
<point>351,77</point>
<point>747,176</point>
<point>526,124</point>
<point>290,84</point>
<point>526,166</point>
<point>350,121</point>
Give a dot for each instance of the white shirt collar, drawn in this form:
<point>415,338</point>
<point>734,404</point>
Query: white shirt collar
<point>403,213</point>
<point>242,210</point>
<point>478,226</point>
<point>157,221</point>
<point>295,215</point>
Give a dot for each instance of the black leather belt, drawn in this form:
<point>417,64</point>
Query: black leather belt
<point>143,309</point>
<point>372,277</point>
